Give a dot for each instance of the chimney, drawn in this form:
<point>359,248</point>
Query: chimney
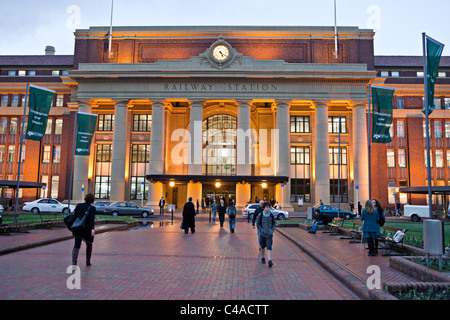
<point>49,51</point>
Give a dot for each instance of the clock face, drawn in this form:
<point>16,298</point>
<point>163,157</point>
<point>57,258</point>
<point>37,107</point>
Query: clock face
<point>221,52</point>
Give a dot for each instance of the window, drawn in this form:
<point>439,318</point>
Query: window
<point>4,102</point>
<point>59,100</point>
<point>142,122</point>
<point>3,125</point>
<point>400,103</point>
<point>400,129</point>
<point>56,154</point>
<point>2,154</point>
<point>401,158</point>
<point>439,158</point>
<point>32,73</point>
<point>395,74</point>
<point>424,125</point>
<point>55,73</point>
<point>15,100</point>
<point>46,154</point>
<point>448,159</point>
<point>104,153</point>
<point>390,158</point>
<point>55,186</point>
<point>48,129</point>
<point>11,153</point>
<point>58,126</point>
<point>442,74</point>
<point>385,74</point>
<point>447,129</point>
<point>105,122</point>
<point>64,73</point>
<point>300,155</point>
<point>300,124</point>
<point>138,189</point>
<point>437,103</point>
<point>23,153</point>
<point>44,179</point>
<point>140,153</point>
<point>447,103</point>
<point>334,156</point>
<point>437,129</point>
<point>420,74</point>
<point>333,125</point>
<point>13,126</point>
<point>21,73</point>
<point>11,72</point>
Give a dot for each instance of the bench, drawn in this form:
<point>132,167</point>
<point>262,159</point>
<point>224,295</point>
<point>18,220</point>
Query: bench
<point>356,232</point>
<point>336,227</point>
<point>50,222</point>
<point>15,226</point>
<point>389,243</point>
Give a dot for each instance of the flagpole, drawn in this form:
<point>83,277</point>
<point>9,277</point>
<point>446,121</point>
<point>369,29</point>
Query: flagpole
<point>110,30</point>
<point>369,136</point>
<point>335,32</point>
<point>71,165</point>
<point>425,80</point>
<point>20,150</point>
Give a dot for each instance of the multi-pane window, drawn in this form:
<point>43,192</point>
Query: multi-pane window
<point>56,154</point>
<point>447,103</point>
<point>401,158</point>
<point>15,100</point>
<point>300,155</point>
<point>55,187</point>
<point>59,100</point>
<point>439,158</point>
<point>11,153</point>
<point>334,156</point>
<point>447,129</point>
<point>333,124</point>
<point>300,124</point>
<point>104,152</point>
<point>103,171</point>
<point>48,129</point>
<point>140,153</point>
<point>58,126</point>
<point>390,158</point>
<point>3,125</point>
<point>426,160</point>
<point>140,157</point>
<point>46,153</point>
<point>13,126</point>
<point>400,129</point>
<point>105,122</point>
<point>2,153</point>
<point>437,129</point>
<point>142,122</point>
<point>4,102</point>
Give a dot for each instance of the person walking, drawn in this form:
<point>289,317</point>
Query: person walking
<point>189,216</point>
<point>370,227</point>
<point>256,213</point>
<point>87,234</point>
<point>266,225</point>
<point>222,209</point>
<point>232,211</point>
<point>214,209</point>
<point>381,219</point>
<point>198,206</point>
<point>161,204</point>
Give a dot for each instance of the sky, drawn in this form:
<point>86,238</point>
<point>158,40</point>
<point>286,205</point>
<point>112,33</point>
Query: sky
<point>28,26</point>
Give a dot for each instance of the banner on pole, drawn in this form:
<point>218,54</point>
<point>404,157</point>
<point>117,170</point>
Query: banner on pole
<point>86,125</point>
<point>382,114</point>
<point>41,100</point>
<point>433,51</point>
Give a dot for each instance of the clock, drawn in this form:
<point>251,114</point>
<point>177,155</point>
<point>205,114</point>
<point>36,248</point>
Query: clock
<point>221,52</point>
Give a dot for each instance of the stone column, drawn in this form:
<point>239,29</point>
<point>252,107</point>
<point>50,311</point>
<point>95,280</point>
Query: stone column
<point>81,165</point>
<point>119,152</point>
<point>321,156</point>
<point>243,192</point>
<point>283,157</point>
<point>360,152</point>
<point>244,138</point>
<point>195,141</point>
<point>157,151</point>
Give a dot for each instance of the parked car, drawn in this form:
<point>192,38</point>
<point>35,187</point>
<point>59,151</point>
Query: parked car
<point>278,214</point>
<point>47,205</point>
<point>332,211</point>
<point>1,208</point>
<point>416,212</point>
<point>99,205</point>
<point>127,208</point>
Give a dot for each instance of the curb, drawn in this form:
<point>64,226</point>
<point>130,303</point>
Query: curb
<point>44,242</point>
<point>347,278</point>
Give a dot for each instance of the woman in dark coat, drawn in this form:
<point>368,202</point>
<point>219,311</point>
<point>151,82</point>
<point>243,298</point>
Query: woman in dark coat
<point>189,216</point>
<point>222,209</point>
<point>87,234</point>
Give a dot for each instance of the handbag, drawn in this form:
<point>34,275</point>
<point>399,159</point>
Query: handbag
<point>182,226</point>
<point>69,220</point>
<point>80,222</point>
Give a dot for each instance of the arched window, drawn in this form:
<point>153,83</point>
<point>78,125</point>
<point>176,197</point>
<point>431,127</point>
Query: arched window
<point>219,145</point>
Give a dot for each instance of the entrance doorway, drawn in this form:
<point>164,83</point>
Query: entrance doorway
<point>225,192</point>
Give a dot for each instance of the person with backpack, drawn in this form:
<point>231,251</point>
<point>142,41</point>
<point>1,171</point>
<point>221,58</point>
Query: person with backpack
<point>381,220</point>
<point>321,219</point>
<point>232,211</point>
<point>266,225</point>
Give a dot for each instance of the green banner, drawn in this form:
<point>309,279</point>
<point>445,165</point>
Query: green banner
<point>434,52</point>
<point>382,114</point>
<point>86,125</point>
<point>41,100</point>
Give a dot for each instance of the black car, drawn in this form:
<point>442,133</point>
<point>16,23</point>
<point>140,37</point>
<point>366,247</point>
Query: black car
<point>332,211</point>
<point>99,205</point>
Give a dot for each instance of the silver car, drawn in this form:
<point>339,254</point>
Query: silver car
<point>249,210</point>
<point>127,208</point>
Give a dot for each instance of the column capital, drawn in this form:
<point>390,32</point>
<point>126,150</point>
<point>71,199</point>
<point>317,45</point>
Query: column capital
<point>282,103</point>
<point>197,103</point>
<point>244,103</point>
<point>159,103</point>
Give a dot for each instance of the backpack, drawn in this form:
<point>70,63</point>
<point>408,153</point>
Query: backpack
<point>270,214</point>
<point>232,211</point>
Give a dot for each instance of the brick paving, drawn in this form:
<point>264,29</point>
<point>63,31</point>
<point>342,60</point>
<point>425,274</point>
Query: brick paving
<point>162,263</point>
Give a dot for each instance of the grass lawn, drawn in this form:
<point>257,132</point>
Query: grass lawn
<point>35,218</point>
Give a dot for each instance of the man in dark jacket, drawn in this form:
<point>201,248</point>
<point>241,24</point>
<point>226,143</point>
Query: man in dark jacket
<point>189,216</point>
<point>321,219</point>
<point>86,234</point>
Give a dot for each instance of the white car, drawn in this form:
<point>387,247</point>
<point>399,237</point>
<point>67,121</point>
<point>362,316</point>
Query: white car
<point>278,214</point>
<point>47,205</point>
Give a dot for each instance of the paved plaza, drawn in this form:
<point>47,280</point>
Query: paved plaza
<point>162,263</point>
